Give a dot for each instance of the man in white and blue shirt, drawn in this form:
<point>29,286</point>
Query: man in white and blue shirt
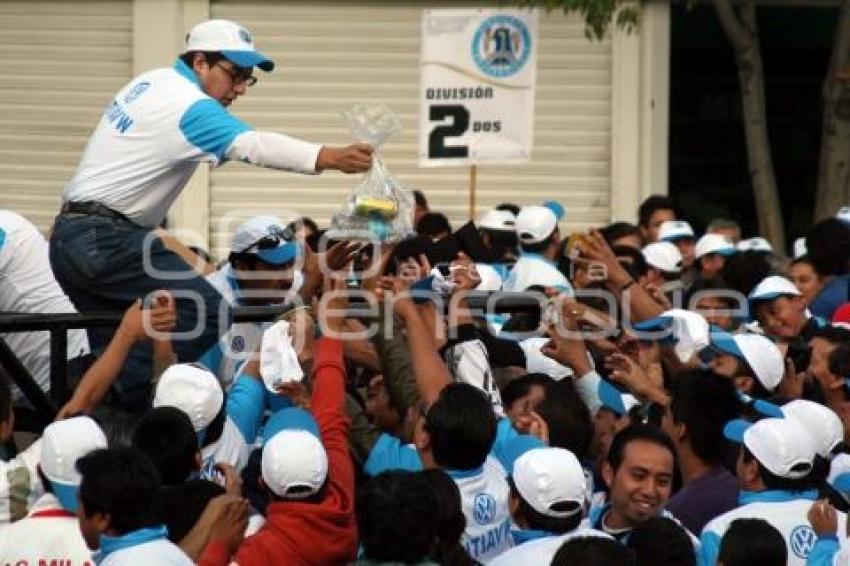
<point>773,467</point>
<point>539,239</point>
<point>149,141</point>
<point>261,270</point>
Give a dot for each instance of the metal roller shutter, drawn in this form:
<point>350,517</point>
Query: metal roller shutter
<point>331,55</point>
<point>60,62</point>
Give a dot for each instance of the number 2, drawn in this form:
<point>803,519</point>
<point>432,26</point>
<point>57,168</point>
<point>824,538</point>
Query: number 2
<point>459,124</point>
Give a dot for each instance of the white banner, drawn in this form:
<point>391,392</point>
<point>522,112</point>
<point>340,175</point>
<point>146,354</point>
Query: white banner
<point>477,95</point>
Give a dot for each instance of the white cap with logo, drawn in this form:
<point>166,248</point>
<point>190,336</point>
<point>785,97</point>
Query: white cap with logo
<point>757,244</point>
<point>62,444</point>
<point>294,462</point>
<point>499,220</point>
<point>714,244</point>
<point>192,389</point>
<point>663,256</point>
<point>535,223</point>
<point>760,353</point>
<point>773,287</point>
<point>672,230</point>
<point>231,40</point>
<point>822,424</point>
<point>266,237</point>
<point>780,445</point>
<point>546,477</point>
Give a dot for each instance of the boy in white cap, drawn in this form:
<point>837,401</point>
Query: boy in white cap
<point>774,469</point>
<point>710,255</point>
<point>149,141</point>
<point>50,532</point>
<point>226,427</point>
<point>781,310</point>
<point>548,500</point>
<point>753,362</point>
<point>679,233</point>
<point>664,261</point>
<point>539,240</point>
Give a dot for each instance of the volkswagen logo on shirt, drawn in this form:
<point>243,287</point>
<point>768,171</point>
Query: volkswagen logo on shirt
<point>484,508</point>
<point>237,344</point>
<point>803,540</point>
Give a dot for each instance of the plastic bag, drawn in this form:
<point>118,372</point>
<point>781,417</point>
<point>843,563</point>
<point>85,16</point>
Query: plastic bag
<point>378,207</point>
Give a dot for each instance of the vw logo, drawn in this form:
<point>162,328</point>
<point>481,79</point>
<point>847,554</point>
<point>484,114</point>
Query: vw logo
<point>803,540</point>
<point>484,508</point>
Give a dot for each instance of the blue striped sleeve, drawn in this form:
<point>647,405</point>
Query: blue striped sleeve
<point>709,549</point>
<point>823,554</point>
<point>209,127</point>
<point>245,406</point>
<point>390,454</point>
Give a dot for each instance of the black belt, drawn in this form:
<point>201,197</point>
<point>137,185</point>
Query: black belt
<point>94,208</point>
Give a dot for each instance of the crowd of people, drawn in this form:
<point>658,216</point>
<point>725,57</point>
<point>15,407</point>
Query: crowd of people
<point>666,398</point>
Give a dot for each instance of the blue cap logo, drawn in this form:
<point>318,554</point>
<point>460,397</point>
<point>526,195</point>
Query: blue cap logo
<point>244,35</point>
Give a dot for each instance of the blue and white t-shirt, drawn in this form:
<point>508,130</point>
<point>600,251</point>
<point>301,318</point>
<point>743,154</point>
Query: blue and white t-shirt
<point>154,133</point>
<point>786,511</point>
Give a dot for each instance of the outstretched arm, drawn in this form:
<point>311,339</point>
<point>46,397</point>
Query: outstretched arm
<point>133,328</point>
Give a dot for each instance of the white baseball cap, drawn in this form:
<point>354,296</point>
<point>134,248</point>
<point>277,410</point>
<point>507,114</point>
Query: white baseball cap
<point>535,223</point>
<point>672,230</point>
<point>664,256</point>
<point>62,444</point>
<point>800,247</point>
<point>714,244</point>
<point>839,474</point>
<point>773,287</point>
<point>545,477</point>
<point>760,353</point>
<point>843,213</point>
<point>780,445</point>
<point>499,220</point>
<point>231,40</point>
<point>687,329</point>
<point>267,238</point>
<point>757,244</point>
<point>822,424</point>
<point>293,455</point>
<point>192,389</point>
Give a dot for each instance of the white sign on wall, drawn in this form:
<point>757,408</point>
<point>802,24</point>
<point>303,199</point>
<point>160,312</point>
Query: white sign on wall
<point>477,95</point>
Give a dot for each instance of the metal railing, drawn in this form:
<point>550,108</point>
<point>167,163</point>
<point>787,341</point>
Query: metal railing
<point>59,324</point>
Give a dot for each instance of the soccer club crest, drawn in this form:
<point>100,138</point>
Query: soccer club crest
<point>501,45</point>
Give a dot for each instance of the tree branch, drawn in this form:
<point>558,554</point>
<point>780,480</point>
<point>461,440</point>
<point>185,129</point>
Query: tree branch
<point>738,35</point>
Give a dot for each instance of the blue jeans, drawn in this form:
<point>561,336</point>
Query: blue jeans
<point>102,265</point>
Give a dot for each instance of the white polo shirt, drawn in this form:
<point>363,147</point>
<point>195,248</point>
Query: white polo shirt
<point>27,285</point>
<point>154,133</point>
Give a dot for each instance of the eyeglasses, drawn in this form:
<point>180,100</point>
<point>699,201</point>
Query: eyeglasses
<point>239,75</point>
<point>271,241</point>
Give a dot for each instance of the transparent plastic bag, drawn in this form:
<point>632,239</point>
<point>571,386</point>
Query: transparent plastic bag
<point>378,207</point>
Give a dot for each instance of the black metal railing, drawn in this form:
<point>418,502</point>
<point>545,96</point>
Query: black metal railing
<point>59,324</point>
